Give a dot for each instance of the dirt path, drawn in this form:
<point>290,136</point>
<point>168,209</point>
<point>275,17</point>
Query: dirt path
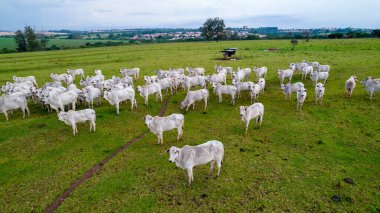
<point>97,167</point>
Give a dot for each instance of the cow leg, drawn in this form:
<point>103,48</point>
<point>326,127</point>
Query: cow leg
<point>146,100</point>
<point>27,110</point>
<point>220,98</point>
<point>158,138</point>
<point>246,126</point>
<point>117,108</point>
<point>93,125</point>
<point>211,167</point>
<point>219,165</point>
<point>190,175</point>
<point>73,105</point>
<point>6,115</point>
<point>73,127</point>
<point>205,103</point>
<point>187,108</point>
<point>194,105</point>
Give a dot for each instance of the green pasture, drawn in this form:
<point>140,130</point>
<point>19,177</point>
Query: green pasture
<point>296,162</point>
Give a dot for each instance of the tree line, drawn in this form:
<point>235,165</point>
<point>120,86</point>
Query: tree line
<point>28,41</point>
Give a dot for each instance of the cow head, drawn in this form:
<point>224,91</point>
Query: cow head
<point>173,152</point>
<point>242,111</point>
<point>301,91</point>
<point>148,119</point>
<point>279,71</point>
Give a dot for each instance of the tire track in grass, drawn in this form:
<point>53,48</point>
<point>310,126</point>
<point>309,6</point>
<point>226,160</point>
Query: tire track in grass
<point>87,175</point>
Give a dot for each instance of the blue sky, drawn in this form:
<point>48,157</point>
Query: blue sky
<point>106,14</point>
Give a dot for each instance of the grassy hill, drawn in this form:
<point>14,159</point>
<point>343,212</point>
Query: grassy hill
<point>297,161</point>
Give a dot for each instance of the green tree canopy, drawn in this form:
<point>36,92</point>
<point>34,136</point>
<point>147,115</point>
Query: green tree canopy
<point>213,28</point>
<point>20,41</point>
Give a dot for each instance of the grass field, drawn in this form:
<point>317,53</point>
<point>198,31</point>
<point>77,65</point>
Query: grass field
<point>9,43</point>
<point>296,161</point>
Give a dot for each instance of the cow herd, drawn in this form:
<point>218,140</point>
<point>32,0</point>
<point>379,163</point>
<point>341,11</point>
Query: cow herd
<point>116,90</point>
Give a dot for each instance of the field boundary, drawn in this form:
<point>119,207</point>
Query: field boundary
<point>87,175</point>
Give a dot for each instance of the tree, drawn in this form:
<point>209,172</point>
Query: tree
<point>376,33</point>
<point>294,42</point>
<point>44,42</point>
<point>32,43</point>
<point>20,41</point>
<point>213,28</point>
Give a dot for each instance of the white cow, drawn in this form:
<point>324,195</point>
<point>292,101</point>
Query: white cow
<point>68,79</point>
<point>305,70</point>
<point>71,118</point>
<point>350,86</point>
<point>151,79</point>
<point>247,72</point>
<point>116,96</point>
<point>146,90</point>
<point>188,157</point>
<point>319,92</point>
<point>91,93</point>
<point>239,75</point>
<point>255,92</point>
<point>242,86</point>
<point>135,72</point>
<point>261,82</point>
<point>217,78</point>
<point>57,100</point>
<point>189,82</point>
<point>314,64</point>
<point>315,76</point>
<point>194,96</point>
<point>58,77</point>
<point>195,71</point>
<point>247,113</point>
<point>289,88</point>
<point>220,89</point>
<point>261,72</point>
<point>301,96</point>
<point>371,85</point>
<point>158,125</point>
<point>24,79</point>
<point>75,72</point>
<point>282,74</point>
<point>222,69</point>
<point>11,102</point>
<point>323,68</point>
<point>166,83</point>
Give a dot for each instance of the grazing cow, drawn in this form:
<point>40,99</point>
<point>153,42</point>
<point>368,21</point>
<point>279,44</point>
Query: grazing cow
<point>195,71</point>
<point>323,68</point>
<point>247,72</point>
<point>166,83</point>
<point>194,96</point>
<point>13,101</point>
<point>261,82</point>
<point>116,96</point>
<point>145,91</point>
<point>305,70</point>
<point>219,69</point>
<point>301,96</point>
<point>76,72</point>
<point>217,78</point>
<point>150,79</point>
<point>68,79</point>
<point>25,79</point>
<point>242,86</point>
<point>71,118</point>
<point>247,113</point>
<point>289,88</point>
<point>282,74</point>
<point>314,64</point>
<point>135,72</point>
<point>315,76</point>
<point>57,100</point>
<point>261,72</point>
<point>58,77</point>
<point>371,85</point>
<point>239,75</point>
<point>255,92</point>
<point>189,82</point>
<point>91,93</point>
<point>188,157</point>
<point>350,86</point>
<point>158,125</point>
<point>220,89</point>
<point>319,92</point>
<point>125,80</point>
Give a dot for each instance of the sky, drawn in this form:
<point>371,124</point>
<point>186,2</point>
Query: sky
<point>126,14</point>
